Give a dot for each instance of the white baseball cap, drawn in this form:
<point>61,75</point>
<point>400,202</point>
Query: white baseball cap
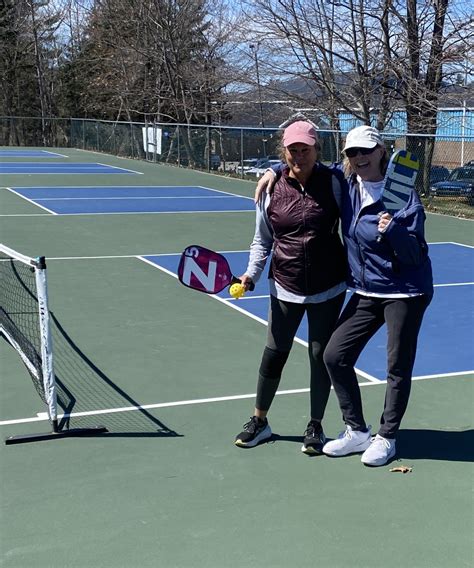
<point>363,137</point>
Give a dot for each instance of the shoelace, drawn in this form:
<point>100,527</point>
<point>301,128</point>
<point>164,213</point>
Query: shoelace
<point>251,426</point>
<point>349,433</point>
<point>381,441</point>
<point>312,432</point>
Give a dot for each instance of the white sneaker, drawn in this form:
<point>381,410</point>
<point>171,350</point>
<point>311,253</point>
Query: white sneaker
<point>379,452</point>
<point>348,442</point>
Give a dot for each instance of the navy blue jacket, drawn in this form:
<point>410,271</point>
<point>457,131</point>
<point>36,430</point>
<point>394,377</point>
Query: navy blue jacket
<point>396,263</point>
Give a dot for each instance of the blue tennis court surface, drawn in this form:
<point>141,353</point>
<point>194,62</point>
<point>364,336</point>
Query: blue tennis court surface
<point>30,154</point>
<point>60,168</point>
<point>74,200</point>
<point>445,342</point>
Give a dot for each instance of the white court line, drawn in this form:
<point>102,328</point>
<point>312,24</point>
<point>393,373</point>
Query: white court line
<point>224,193</point>
<point>95,186</point>
<point>30,201</point>
<point>454,284</point>
<point>107,213</point>
<point>94,198</point>
<point>54,154</point>
<point>451,243</point>
<point>42,416</point>
<point>117,168</point>
<point>38,171</point>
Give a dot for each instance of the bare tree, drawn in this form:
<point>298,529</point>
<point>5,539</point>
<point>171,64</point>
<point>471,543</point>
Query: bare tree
<point>360,56</point>
<point>338,50</point>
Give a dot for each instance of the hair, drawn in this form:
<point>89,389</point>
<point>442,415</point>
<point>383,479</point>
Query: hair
<point>281,149</point>
<point>346,166</point>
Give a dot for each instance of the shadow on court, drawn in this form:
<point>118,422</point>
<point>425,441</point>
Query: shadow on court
<point>443,445</point>
<point>83,388</point>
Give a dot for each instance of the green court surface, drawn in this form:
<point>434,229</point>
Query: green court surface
<point>166,487</point>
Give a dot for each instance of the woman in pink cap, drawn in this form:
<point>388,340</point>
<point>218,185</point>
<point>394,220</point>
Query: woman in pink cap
<point>298,223</point>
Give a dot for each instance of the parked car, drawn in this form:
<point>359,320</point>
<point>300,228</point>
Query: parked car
<point>438,173</point>
<point>246,165</point>
<point>460,182</point>
<point>261,167</point>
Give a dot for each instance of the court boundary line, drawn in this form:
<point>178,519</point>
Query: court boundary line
<point>126,213</point>
<point>133,198</point>
<point>116,168</point>
<point>53,213</point>
<point>11,190</point>
<point>451,243</point>
<point>226,193</point>
<point>65,173</point>
<point>42,416</point>
<point>43,151</point>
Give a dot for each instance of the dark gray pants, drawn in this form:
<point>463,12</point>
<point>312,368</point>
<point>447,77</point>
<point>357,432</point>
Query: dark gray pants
<point>359,321</point>
<point>283,321</point>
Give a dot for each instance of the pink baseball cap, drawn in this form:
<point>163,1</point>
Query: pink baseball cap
<point>300,132</point>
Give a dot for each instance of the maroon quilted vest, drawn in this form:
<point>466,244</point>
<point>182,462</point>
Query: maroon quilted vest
<point>308,256</point>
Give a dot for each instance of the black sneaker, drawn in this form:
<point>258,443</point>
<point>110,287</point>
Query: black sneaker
<point>255,431</point>
<point>314,439</point>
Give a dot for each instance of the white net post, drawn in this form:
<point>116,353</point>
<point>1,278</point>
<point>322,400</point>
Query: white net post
<point>49,382</point>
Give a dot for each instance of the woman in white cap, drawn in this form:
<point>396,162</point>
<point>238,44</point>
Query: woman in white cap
<point>392,281</point>
<point>298,224</point>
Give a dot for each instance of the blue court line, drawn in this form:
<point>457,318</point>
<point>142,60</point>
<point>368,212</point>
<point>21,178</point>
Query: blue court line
<point>30,154</point>
<point>60,168</point>
<point>445,342</point>
<point>142,199</point>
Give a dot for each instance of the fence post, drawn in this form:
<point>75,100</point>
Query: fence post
<point>179,147</point>
<point>241,152</point>
<point>463,130</point>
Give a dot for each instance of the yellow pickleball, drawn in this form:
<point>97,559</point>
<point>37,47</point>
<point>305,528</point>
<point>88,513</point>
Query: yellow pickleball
<point>237,290</point>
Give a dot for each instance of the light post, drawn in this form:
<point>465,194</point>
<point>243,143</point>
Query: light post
<point>254,49</point>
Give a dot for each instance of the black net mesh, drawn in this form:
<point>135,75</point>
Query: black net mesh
<point>19,316</point>
<point>85,395</point>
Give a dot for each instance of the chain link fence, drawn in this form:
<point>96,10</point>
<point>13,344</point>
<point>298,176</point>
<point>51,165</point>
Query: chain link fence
<point>445,182</point>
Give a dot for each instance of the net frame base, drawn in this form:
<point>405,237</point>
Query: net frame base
<point>72,433</point>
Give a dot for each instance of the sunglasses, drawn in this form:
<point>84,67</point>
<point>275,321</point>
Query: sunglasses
<point>352,152</point>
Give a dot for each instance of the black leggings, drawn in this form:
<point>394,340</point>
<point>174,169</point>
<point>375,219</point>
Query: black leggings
<point>283,321</point>
<point>359,321</point>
